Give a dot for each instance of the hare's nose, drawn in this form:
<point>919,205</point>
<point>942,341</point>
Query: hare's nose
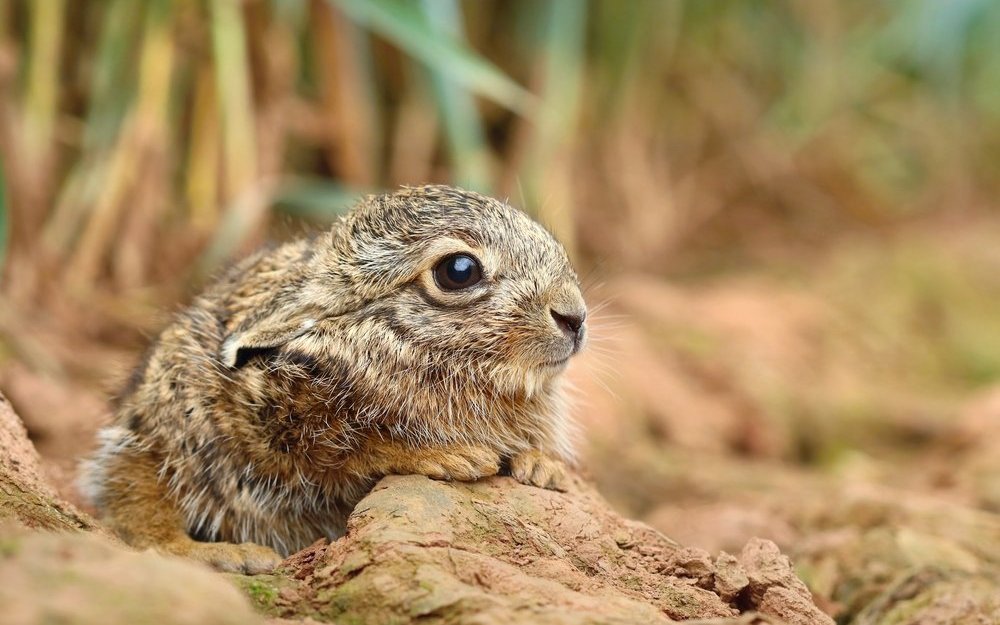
<point>570,322</point>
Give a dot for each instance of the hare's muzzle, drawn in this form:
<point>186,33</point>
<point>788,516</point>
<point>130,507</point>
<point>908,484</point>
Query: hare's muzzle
<point>569,313</point>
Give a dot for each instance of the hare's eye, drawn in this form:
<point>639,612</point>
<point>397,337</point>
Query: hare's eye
<point>458,271</point>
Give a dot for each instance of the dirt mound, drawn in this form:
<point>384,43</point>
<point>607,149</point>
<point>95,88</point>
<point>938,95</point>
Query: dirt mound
<point>888,556</point>
<point>499,552</point>
<point>62,419</point>
<point>416,550</point>
<point>85,576</point>
<point>24,495</point>
<point>85,579</point>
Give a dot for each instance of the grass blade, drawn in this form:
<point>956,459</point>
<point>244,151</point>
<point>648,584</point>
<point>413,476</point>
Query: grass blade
<point>110,90</point>
<point>143,134</point>
<point>349,104</point>
<point>317,200</point>
<point>403,24</point>
<point>470,154</point>
<point>232,75</point>
<point>202,181</point>
<point>545,170</point>
<point>47,19</point>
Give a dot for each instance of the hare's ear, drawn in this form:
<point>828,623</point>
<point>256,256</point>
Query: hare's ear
<point>268,333</point>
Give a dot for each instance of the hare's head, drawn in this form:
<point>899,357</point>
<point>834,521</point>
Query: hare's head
<point>442,282</point>
<point>466,280</point>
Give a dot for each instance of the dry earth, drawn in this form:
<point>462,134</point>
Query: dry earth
<point>499,552</point>
<point>416,551</point>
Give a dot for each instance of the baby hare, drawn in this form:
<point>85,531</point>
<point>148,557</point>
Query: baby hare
<point>425,333</point>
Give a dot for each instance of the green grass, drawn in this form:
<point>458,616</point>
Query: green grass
<point>150,142</point>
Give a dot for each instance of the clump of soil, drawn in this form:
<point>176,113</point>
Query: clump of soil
<point>25,496</point>
<point>85,579</point>
<point>499,552</point>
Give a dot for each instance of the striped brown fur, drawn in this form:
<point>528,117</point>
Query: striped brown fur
<point>277,399</point>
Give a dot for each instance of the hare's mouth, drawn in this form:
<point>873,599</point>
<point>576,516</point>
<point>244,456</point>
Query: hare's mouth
<point>555,364</point>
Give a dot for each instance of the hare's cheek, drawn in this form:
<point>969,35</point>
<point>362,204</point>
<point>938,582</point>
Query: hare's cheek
<point>530,343</point>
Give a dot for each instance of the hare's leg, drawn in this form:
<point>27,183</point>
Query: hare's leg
<point>464,463</point>
<point>537,468</point>
<point>138,508</point>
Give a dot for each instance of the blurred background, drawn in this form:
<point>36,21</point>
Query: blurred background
<point>784,212</point>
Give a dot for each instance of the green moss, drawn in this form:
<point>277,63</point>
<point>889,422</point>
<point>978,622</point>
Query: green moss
<point>632,582</point>
<point>262,594</point>
<point>426,585</point>
<point>9,547</point>
<point>908,611</point>
<point>354,602</point>
<point>263,591</point>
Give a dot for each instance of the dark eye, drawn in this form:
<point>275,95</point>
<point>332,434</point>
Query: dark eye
<point>458,271</point>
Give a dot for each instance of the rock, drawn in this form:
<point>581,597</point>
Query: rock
<point>932,596</point>
<point>973,461</point>
<point>862,542</point>
<point>499,552</point>
<point>791,607</point>
<point>62,420</point>
<point>775,589</point>
<point>887,552</point>
<point>692,563</point>
<point>730,578</point>
<point>82,579</point>
<point>767,568</point>
<point>24,496</point>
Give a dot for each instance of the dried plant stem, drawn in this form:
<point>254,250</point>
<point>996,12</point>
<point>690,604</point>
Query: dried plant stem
<point>232,77</point>
<point>347,104</point>
<point>133,158</point>
<point>202,179</point>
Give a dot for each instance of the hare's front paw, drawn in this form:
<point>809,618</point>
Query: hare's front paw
<point>537,468</point>
<point>247,558</point>
<point>464,463</point>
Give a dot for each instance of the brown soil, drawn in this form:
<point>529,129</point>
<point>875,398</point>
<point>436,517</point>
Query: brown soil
<point>499,552</point>
<point>25,497</point>
<point>86,579</point>
<point>416,550</point>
